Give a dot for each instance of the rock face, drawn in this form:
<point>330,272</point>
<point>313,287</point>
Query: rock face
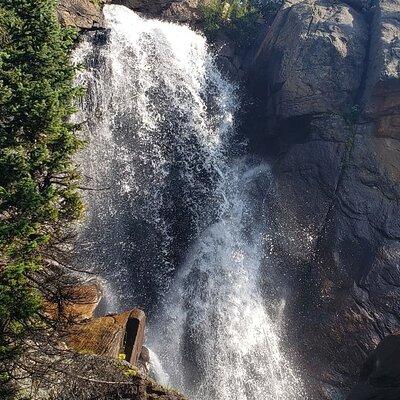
<point>380,376</point>
<point>382,98</point>
<point>326,83</point>
<point>81,14</point>
<point>315,55</point>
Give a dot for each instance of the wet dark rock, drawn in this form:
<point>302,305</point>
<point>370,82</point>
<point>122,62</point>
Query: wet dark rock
<point>229,58</point>
<point>380,376</point>
<point>360,5</point>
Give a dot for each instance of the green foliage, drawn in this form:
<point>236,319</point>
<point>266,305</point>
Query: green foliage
<point>98,3</point>
<point>128,370</point>
<point>38,182</point>
<point>236,18</point>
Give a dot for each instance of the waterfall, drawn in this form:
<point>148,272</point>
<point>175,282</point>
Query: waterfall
<point>158,116</point>
<point>175,218</point>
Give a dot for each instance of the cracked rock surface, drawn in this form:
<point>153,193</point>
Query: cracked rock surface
<point>326,79</point>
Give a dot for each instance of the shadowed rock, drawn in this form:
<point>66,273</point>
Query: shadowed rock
<point>380,377</point>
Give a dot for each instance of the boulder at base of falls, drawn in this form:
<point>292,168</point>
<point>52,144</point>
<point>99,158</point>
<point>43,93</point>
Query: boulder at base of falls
<point>81,14</point>
<point>380,376</point>
<point>111,335</point>
<point>90,366</point>
<point>74,303</point>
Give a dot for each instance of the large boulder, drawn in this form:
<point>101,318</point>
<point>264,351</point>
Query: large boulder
<point>110,335</point>
<point>75,301</point>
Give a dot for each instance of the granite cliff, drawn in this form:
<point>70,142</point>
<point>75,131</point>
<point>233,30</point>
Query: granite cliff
<point>326,77</point>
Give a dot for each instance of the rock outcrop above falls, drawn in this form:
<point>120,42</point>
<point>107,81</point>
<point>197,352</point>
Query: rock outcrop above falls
<point>326,81</point>
<point>81,14</point>
<point>176,11</point>
<point>381,98</point>
<point>87,14</point>
<point>312,59</point>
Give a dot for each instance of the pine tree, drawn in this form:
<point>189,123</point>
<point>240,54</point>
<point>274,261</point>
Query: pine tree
<point>38,181</point>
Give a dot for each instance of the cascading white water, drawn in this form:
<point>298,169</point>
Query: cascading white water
<point>175,223</point>
<point>158,116</point>
<point>214,329</point>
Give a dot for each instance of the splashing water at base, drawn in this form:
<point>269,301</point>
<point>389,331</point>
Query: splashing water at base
<point>178,225</point>
<point>214,329</point>
<point>156,369</point>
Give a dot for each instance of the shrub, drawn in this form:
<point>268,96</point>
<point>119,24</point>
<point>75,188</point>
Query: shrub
<point>237,18</point>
